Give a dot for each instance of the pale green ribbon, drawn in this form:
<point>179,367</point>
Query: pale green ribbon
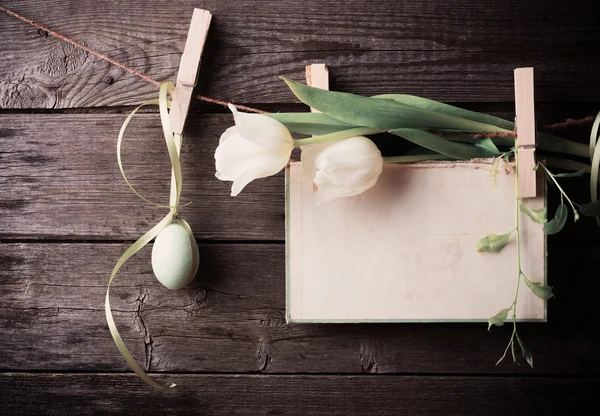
<point>173,141</point>
<point>595,161</point>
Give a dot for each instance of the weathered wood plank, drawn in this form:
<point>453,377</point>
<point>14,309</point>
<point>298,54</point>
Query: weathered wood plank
<point>232,319</point>
<point>60,179</point>
<point>82,394</point>
<point>452,51</point>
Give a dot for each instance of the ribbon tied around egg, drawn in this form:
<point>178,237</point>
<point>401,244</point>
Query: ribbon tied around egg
<point>175,256</point>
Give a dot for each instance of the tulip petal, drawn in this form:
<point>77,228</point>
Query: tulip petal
<point>247,177</point>
<point>308,157</point>
<point>324,196</point>
<point>351,153</point>
<point>328,193</point>
<point>229,133</point>
<point>259,172</point>
<point>345,168</point>
<point>352,177</point>
<point>237,155</point>
<point>234,156</point>
<point>260,129</point>
<point>242,161</point>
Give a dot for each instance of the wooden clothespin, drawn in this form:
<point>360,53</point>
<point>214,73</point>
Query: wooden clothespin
<point>317,75</point>
<point>186,81</point>
<point>188,69</point>
<point>525,128</point>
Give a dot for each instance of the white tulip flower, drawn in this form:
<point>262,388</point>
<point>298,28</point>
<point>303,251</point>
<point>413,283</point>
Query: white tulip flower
<point>344,168</point>
<point>256,147</point>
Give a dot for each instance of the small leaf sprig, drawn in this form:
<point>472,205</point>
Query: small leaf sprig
<point>560,218</point>
<point>590,209</point>
<point>494,243</point>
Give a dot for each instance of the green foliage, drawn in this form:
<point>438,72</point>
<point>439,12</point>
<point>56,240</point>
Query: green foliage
<point>538,289</point>
<point>431,105</point>
<point>569,174</point>
<point>558,222</point>
<point>488,146</point>
<point>499,318</point>
<point>441,145</point>
<point>524,350</point>
<point>385,114</point>
<point>561,213</point>
<point>538,216</point>
<point>310,123</point>
<point>526,353</point>
<point>591,209</point>
<point>493,243</point>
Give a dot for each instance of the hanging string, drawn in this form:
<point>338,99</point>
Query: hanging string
<point>126,68</point>
<point>570,122</point>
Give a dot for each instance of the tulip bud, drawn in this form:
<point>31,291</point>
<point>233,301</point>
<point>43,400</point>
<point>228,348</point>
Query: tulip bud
<point>345,168</point>
<point>256,147</point>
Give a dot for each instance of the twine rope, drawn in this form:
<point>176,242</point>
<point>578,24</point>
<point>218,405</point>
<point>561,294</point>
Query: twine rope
<point>569,122</point>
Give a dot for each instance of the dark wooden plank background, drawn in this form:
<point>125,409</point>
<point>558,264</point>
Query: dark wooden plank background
<point>66,215</point>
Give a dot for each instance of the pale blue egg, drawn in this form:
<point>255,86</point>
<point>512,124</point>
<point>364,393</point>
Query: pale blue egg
<point>175,256</point>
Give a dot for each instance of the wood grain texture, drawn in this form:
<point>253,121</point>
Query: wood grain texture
<point>232,319</point>
<point>83,394</point>
<point>59,179</point>
<point>189,69</point>
<point>447,50</point>
<point>66,214</point>
<point>526,130</point>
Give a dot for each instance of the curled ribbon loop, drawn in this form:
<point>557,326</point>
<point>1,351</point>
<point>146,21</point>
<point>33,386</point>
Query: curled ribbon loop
<point>174,147</point>
<point>595,161</point>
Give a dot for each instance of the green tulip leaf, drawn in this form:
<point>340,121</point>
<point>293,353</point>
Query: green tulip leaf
<point>380,113</point>
<point>441,145</point>
<point>488,146</point>
<point>310,123</point>
<point>430,105</point>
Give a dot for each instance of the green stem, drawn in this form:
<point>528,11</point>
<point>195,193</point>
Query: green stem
<point>558,186</point>
<point>338,135</point>
<point>518,241</point>
<point>513,306</point>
